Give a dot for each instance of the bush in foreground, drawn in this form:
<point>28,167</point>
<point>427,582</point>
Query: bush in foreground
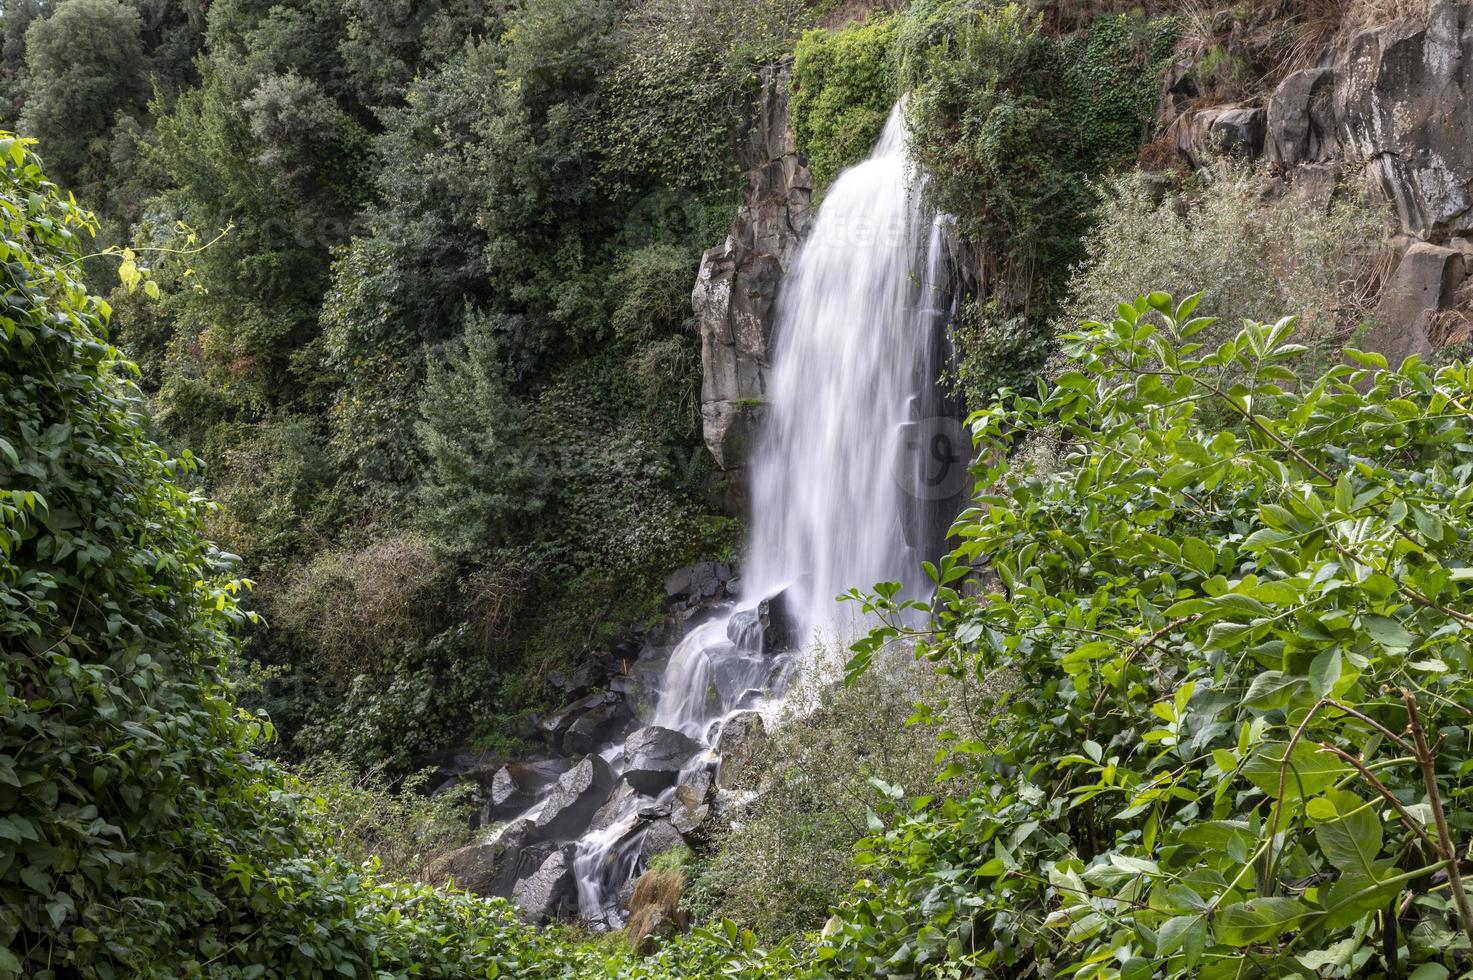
<point>1238,744</point>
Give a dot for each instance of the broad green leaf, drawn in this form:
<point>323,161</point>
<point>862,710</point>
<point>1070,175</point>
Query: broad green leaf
<point>1387,632</point>
<point>1307,771</point>
<point>1352,842</point>
<point>1243,923</point>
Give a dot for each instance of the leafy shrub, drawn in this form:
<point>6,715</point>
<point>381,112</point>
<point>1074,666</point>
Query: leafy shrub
<point>269,486</point>
<point>840,757</point>
<point>86,66</point>
<point>400,827</point>
<point>358,611</point>
<point>995,351</point>
<point>842,89</point>
<point>1247,252</point>
<point>1010,123</point>
<point>652,286</point>
<point>1234,650</point>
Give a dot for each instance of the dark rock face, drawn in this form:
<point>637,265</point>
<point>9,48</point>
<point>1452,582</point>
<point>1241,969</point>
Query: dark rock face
<point>577,796</point>
<point>548,891</point>
<point>1404,104</point>
<point>767,628</point>
<point>690,810</point>
<point>1301,119</point>
<point>1423,283</point>
<point>736,288</point>
<point>584,723</point>
<point>654,756</point>
<point>1234,130</point>
<point>659,836</point>
<point>742,742</point>
<point>701,582</point>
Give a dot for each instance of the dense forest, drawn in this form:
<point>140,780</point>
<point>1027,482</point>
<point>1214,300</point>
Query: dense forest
<point>368,442</point>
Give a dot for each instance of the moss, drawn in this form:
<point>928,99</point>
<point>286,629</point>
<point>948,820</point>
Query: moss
<point>843,88</point>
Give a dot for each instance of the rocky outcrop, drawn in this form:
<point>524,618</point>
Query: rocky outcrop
<point>518,785</point>
<point>586,722</point>
<point>1232,130</point>
<point>767,627</point>
<point>547,892</point>
<point>736,289</point>
<point>1404,105</point>
<point>490,867</point>
<point>1301,119</point>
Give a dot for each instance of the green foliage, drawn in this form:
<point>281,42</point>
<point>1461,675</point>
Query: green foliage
<point>142,837</point>
<point>653,288</point>
<point>1111,78</point>
<point>1011,123</point>
<point>995,351</point>
<point>402,828</point>
<point>1234,646</point>
<point>842,90</point>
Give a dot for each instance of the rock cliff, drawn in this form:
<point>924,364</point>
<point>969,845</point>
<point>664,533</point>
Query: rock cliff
<point>736,289</point>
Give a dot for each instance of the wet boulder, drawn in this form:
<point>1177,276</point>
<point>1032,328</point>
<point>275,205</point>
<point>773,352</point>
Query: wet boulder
<point>768,627</point>
<point>548,891</point>
<point>654,756</point>
<point>743,740</point>
<point>659,836</point>
<point>575,798</point>
<point>518,785</point>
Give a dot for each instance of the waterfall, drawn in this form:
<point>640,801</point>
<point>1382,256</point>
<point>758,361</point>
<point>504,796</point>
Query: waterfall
<point>838,491</point>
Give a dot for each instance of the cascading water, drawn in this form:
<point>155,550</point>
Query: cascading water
<point>834,478</point>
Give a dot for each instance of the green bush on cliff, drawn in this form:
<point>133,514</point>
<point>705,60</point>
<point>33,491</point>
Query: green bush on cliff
<point>842,90</point>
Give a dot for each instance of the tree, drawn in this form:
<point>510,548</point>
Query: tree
<point>86,68</point>
<point>482,477</point>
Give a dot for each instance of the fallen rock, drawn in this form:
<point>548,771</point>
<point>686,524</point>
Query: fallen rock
<point>743,740</point>
<point>1424,282</point>
<point>654,756</point>
<point>544,893</point>
<point>489,868</point>
<point>573,801</point>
